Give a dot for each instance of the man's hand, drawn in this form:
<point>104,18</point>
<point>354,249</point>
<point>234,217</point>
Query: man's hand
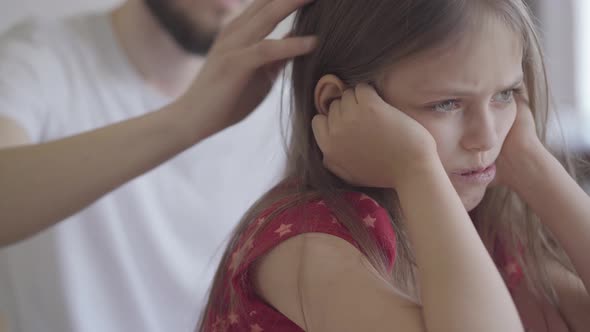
<point>242,66</point>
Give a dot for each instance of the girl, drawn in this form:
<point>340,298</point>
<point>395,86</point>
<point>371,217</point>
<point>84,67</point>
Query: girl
<point>439,208</point>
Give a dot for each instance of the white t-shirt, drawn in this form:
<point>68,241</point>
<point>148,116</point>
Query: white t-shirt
<point>142,257</point>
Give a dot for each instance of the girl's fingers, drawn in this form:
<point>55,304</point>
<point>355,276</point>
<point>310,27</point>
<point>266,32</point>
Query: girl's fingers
<point>367,95</point>
<point>322,124</point>
<point>320,128</point>
<point>269,51</point>
<point>335,116</point>
<point>349,101</point>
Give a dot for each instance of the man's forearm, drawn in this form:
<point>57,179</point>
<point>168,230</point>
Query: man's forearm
<point>43,184</point>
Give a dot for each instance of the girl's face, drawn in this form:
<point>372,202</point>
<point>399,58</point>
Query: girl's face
<point>464,96</point>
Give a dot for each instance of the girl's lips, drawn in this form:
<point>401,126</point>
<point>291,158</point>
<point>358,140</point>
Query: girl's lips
<point>482,176</point>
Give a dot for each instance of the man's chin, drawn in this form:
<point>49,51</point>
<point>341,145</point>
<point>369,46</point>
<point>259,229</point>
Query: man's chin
<point>195,37</point>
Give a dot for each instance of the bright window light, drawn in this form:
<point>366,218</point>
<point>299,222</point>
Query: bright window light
<point>582,19</point>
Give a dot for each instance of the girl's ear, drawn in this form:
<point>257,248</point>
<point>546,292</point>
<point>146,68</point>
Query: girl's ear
<point>328,89</point>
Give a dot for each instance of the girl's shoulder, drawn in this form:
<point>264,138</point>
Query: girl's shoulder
<point>281,222</point>
<point>276,225</point>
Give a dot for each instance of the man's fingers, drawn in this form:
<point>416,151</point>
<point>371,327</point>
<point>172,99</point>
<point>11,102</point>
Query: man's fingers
<point>275,68</point>
<point>269,51</point>
<point>252,10</point>
<point>243,39</point>
<point>268,17</point>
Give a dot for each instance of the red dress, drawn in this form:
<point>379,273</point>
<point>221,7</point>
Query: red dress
<point>255,315</point>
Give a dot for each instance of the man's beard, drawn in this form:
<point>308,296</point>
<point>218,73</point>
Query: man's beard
<point>179,26</point>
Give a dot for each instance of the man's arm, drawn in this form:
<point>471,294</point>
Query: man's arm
<point>42,184</point>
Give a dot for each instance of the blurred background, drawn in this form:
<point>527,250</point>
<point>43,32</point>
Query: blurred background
<point>564,25</point>
<point>14,11</point>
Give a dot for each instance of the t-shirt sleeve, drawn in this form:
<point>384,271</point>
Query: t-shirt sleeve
<point>315,217</point>
<point>508,264</point>
<point>29,78</point>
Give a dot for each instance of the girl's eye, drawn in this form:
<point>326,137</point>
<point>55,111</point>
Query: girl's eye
<point>446,106</point>
<point>505,97</point>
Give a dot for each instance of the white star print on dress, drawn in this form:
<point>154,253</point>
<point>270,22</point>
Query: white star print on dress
<point>284,229</point>
<point>369,221</point>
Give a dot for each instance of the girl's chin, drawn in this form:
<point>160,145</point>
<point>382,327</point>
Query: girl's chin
<point>494,183</point>
<point>472,199</point>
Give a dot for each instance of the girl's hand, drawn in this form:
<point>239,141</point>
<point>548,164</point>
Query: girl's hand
<point>521,147</point>
<point>367,142</point>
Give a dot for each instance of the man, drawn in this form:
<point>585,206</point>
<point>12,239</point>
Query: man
<point>91,110</point>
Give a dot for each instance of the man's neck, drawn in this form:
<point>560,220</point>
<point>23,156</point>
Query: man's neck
<point>154,54</point>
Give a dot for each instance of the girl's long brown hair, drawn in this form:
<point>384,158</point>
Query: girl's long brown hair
<point>358,41</point>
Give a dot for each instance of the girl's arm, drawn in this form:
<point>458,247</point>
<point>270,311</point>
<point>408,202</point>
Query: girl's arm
<point>42,184</point>
<point>453,263</point>
<point>324,284</point>
<point>564,208</point>
<point>528,168</point>
<point>561,205</point>
<point>574,301</point>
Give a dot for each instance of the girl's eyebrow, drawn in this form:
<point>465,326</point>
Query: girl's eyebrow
<point>517,82</point>
<point>466,91</point>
